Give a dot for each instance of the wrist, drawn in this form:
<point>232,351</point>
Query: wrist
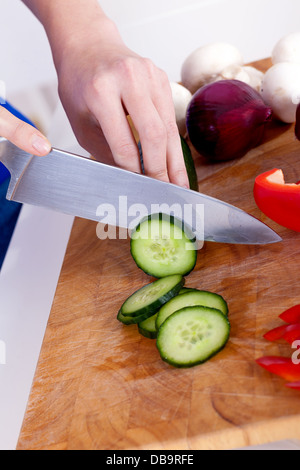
<point>75,32</point>
<point>100,31</point>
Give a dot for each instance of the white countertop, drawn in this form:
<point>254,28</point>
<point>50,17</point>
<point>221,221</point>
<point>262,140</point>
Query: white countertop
<point>155,29</point>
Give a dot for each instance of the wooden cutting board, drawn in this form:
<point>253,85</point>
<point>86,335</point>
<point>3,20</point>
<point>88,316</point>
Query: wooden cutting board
<point>100,385</point>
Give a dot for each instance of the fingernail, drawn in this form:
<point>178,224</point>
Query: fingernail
<point>40,144</point>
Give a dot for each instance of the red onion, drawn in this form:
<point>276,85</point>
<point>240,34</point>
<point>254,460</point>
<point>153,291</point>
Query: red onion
<point>297,127</point>
<point>226,119</point>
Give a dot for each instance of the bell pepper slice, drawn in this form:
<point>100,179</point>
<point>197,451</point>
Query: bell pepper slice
<point>294,385</point>
<point>289,333</point>
<point>277,200</point>
<point>292,315</point>
<point>281,366</point>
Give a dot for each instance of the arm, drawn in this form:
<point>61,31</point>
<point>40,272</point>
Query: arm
<point>101,81</point>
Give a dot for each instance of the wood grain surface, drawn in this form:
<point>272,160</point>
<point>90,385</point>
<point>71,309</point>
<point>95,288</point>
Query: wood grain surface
<point>100,385</point>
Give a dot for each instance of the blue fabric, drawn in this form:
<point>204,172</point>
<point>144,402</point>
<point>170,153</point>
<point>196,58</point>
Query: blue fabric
<point>9,210</point>
<point>4,173</point>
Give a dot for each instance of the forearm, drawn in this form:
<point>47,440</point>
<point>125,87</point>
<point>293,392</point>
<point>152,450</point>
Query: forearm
<point>72,23</point>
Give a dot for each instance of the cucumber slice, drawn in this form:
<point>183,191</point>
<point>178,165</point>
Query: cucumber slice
<point>131,320</point>
<point>190,299</point>
<point>148,300</point>
<point>161,246</point>
<point>147,328</point>
<point>192,335</point>
<point>185,290</point>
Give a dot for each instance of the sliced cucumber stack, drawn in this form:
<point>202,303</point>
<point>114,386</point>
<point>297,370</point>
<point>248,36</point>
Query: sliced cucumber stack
<point>190,325</point>
<point>147,327</point>
<point>192,335</point>
<point>147,301</point>
<point>185,290</point>
<point>190,299</point>
<point>161,246</point>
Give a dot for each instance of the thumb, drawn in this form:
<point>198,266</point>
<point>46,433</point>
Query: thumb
<point>22,134</point>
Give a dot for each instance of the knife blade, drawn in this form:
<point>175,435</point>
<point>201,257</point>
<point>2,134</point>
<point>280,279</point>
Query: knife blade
<point>85,188</point>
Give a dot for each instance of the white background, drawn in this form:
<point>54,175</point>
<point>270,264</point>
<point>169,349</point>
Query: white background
<point>164,30</point>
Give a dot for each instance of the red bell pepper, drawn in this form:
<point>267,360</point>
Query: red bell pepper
<point>292,315</point>
<point>294,385</point>
<point>289,333</point>
<point>281,366</point>
<point>278,200</point>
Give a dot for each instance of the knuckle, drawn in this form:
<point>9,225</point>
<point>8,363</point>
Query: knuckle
<point>149,65</point>
<point>125,67</point>
<point>172,129</point>
<point>164,78</point>
<point>155,133</point>
<point>180,174</point>
<point>159,173</point>
<point>96,86</point>
<point>17,130</point>
<point>125,151</point>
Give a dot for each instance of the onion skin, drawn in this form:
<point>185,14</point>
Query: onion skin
<point>226,119</point>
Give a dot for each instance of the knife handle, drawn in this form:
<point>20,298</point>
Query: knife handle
<point>7,149</point>
<point>13,158</point>
<point>4,152</point>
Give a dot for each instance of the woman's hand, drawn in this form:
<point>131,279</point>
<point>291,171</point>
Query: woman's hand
<point>101,81</point>
<point>22,134</point>
<point>99,86</point>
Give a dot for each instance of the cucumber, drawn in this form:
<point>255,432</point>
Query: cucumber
<point>148,300</point>
<point>190,299</point>
<point>131,320</point>
<point>190,165</point>
<point>185,290</point>
<point>192,335</point>
<point>162,246</point>
<point>147,328</point>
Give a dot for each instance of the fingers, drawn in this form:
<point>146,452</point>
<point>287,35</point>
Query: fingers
<point>153,136</point>
<point>117,132</point>
<point>175,161</point>
<point>22,134</point>
<point>154,117</point>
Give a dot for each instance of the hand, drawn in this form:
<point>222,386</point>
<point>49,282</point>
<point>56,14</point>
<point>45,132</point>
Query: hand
<point>22,134</point>
<point>101,81</point>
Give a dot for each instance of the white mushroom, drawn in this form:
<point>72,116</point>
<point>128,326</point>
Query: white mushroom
<point>250,75</point>
<point>255,77</point>
<point>281,90</point>
<point>287,49</point>
<point>233,72</point>
<point>181,99</point>
<point>206,63</point>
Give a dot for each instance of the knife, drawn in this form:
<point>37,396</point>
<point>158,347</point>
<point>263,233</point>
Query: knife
<point>85,188</point>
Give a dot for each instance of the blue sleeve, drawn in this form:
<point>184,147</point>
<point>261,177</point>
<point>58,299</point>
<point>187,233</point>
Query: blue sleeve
<point>9,210</point>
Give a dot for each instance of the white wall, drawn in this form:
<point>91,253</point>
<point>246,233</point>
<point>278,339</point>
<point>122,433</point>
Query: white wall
<point>165,30</point>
